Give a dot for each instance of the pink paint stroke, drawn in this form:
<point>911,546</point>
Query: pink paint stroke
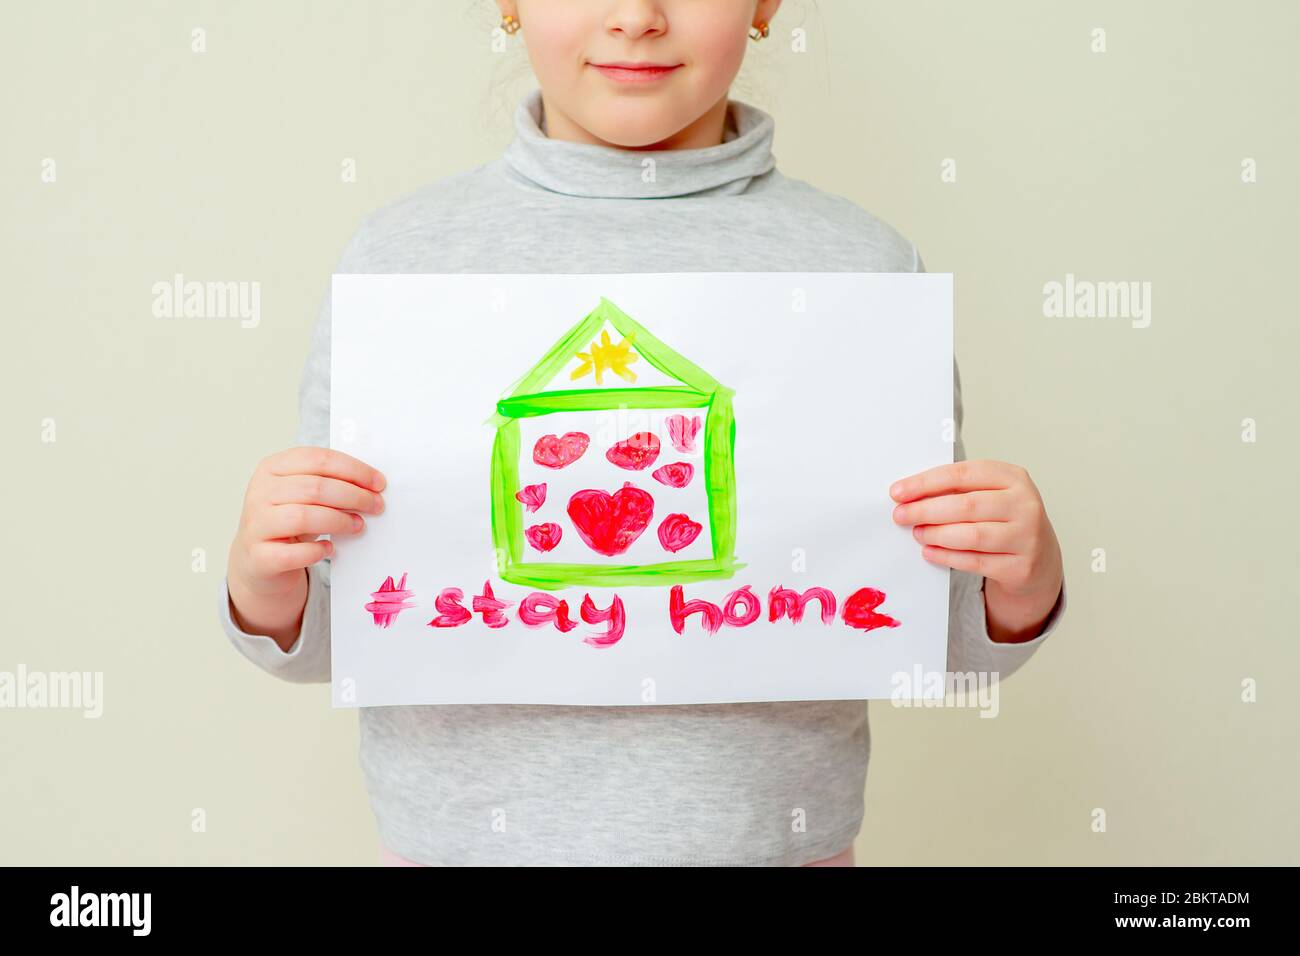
<point>784,602</point>
<point>635,453</point>
<point>678,531</point>
<point>678,474</point>
<point>532,497</point>
<point>389,601</point>
<point>451,613</point>
<point>614,615</point>
<point>538,610</point>
<point>544,537</point>
<point>491,607</point>
<point>682,431</point>
<point>551,451</point>
<point>860,610</point>
<point>679,609</point>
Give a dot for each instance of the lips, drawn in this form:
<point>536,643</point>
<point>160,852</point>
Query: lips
<point>625,72</point>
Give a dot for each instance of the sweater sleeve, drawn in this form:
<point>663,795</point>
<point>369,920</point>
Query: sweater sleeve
<point>969,646</point>
<point>308,658</point>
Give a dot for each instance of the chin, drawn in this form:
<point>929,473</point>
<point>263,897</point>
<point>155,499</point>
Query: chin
<point>625,122</point>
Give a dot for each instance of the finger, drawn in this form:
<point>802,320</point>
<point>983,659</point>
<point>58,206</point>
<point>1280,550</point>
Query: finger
<point>277,557</point>
<point>948,509</point>
<point>330,492</point>
<point>289,521</point>
<point>976,562</point>
<point>328,462</point>
<point>946,479</point>
<point>990,537</point>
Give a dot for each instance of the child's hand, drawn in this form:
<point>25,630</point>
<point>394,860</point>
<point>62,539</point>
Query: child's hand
<point>294,496</point>
<point>987,517</point>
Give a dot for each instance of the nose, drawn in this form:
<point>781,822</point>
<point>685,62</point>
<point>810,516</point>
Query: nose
<point>635,19</point>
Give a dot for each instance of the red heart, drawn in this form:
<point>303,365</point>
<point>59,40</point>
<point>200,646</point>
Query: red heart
<point>552,452</point>
<point>678,531</point>
<point>635,453</point>
<point>610,523</point>
<point>544,537</point>
<point>675,475</point>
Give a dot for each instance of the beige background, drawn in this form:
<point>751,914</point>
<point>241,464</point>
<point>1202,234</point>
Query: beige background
<point>226,165</point>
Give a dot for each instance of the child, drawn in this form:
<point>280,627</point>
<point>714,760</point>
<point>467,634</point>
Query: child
<point>623,82</point>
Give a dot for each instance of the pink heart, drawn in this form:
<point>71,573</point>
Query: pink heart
<point>544,537</point>
<point>675,475</point>
<point>610,523</point>
<point>678,531</point>
<point>636,453</point>
<point>553,452</point>
<point>682,431</point>
<point>532,496</point>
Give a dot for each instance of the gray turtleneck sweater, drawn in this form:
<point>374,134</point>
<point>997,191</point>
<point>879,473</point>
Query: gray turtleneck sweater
<point>759,783</point>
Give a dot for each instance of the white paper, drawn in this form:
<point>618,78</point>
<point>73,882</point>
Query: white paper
<point>839,384</point>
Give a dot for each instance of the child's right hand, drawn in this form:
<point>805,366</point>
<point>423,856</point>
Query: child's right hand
<point>294,496</point>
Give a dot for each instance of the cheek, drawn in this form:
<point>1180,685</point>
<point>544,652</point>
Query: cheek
<point>718,49</point>
<point>555,44</point>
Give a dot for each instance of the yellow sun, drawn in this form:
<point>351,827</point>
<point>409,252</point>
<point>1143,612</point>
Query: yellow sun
<point>605,356</point>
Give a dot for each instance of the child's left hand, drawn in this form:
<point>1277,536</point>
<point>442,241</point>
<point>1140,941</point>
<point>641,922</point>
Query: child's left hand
<point>987,517</point>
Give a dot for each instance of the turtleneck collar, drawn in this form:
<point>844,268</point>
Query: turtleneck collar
<point>605,172</point>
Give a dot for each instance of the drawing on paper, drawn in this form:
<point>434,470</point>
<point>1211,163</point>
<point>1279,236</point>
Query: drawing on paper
<point>566,513</point>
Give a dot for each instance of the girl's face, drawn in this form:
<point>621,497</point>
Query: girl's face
<point>635,73</point>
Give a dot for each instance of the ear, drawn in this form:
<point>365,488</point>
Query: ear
<point>508,8</point>
<point>767,10</point>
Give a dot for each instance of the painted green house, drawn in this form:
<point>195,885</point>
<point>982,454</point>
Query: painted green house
<point>692,391</point>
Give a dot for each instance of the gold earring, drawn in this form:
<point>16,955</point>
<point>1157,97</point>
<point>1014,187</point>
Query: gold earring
<point>759,30</point>
<point>510,24</point>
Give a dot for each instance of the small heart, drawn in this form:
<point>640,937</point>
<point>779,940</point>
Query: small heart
<point>532,496</point>
<point>544,537</point>
<point>553,452</point>
<point>682,431</point>
<point>678,531</point>
<point>610,523</point>
<point>636,453</point>
<point>675,475</point>
<point>860,610</point>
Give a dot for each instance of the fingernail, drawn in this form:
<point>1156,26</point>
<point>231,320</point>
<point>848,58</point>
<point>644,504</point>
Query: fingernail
<point>380,481</point>
<point>916,532</point>
<point>895,490</point>
<point>899,512</point>
<point>357,522</point>
<point>379,504</point>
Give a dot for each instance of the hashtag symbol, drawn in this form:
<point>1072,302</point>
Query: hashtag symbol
<point>389,601</point>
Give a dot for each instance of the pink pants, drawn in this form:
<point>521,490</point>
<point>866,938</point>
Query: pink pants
<point>388,858</point>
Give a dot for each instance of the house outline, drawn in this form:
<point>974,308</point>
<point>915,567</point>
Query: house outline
<point>698,389</point>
